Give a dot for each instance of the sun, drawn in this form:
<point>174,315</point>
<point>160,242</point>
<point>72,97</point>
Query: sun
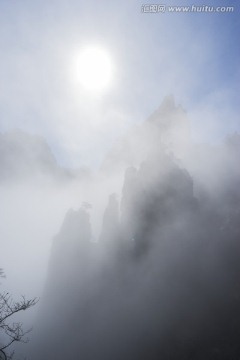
<point>93,68</point>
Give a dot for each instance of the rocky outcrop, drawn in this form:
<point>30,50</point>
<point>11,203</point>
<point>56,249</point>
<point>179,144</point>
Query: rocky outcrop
<point>162,281</point>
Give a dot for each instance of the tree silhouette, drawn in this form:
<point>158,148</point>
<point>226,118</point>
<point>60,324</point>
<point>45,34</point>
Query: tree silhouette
<point>10,330</point>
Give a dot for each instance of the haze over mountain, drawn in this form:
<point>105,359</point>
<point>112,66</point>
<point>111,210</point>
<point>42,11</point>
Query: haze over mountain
<point>23,155</point>
<point>160,278</point>
<point>119,206</point>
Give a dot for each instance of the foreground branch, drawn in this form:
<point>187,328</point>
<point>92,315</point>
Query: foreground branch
<point>13,331</point>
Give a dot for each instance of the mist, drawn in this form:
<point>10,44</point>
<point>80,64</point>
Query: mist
<point>139,257</point>
<point>120,208</point>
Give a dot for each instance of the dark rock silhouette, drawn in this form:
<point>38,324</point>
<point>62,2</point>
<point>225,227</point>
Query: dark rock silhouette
<point>110,226</point>
<point>168,289</point>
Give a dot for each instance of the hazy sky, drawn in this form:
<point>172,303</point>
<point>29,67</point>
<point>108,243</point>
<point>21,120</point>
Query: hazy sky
<point>195,56</point>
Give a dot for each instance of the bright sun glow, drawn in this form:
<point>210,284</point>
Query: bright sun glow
<point>94,68</point>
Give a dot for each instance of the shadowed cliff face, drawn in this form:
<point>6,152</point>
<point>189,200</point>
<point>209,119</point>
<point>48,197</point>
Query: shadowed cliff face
<point>161,282</point>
